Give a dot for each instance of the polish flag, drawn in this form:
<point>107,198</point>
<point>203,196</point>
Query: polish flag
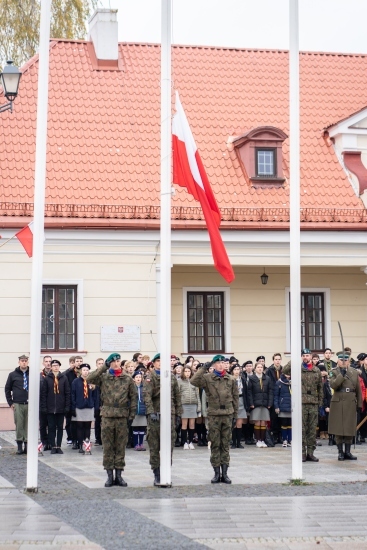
<point>25,237</point>
<point>189,172</point>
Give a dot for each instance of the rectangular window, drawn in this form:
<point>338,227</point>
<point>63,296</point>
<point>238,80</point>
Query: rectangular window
<point>312,321</point>
<point>266,163</point>
<point>59,318</point>
<point>205,320</point>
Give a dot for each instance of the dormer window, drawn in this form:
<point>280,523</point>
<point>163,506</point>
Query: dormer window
<point>260,154</point>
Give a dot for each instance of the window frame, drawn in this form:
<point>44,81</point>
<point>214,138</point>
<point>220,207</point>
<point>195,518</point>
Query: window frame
<point>327,315</point>
<point>79,308</point>
<point>226,314</point>
<point>306,323</point>
<point>206,323</point>
<point>275,170</point>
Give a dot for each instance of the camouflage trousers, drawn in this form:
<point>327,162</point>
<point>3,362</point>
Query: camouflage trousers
<point>310,418</point>
<point>220,432</point>
<point>114,436</point>
<point>154,441</point>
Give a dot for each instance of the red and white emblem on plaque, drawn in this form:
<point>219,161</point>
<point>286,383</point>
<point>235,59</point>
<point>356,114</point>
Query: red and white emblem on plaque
<point>120,329</point>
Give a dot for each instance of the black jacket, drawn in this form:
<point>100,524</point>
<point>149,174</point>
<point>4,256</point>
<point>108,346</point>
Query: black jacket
<point>272,373</point>
<point>14,391</point>
<point>327,394</point>
<point>260,397</point>
<point>52,402</point>
<point>77,396</point>
<point>244,394</point>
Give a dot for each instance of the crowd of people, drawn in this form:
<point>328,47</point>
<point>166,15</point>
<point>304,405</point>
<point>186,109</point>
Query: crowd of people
<point>220,404</point>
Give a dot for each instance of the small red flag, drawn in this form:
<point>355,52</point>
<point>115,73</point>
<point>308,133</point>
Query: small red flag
<point>25,237</point>
<point>189,172</point>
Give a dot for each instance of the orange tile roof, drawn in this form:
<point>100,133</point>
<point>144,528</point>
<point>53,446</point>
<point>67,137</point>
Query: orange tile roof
<point>104,130</point>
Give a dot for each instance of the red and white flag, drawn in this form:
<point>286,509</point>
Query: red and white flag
<point>25,237</point>
<point>189,172</point>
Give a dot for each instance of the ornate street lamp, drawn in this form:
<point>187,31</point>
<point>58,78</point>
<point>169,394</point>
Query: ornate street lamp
<point>264,278</point>
<point>10,78</point>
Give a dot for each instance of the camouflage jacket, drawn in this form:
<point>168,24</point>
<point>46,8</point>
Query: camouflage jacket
<point>118,393</point>
<point>221,392</point>
<point>311,383</point>
<point>152,394</point>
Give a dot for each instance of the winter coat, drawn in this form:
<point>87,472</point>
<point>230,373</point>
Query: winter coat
<point>78,401</point>
<point>141,410</point>
<point>189,394</point>
<point>343,406</point>
<point>152,394</point>
<point>273,374</point>
<point>260,396</point>
<point>282,395</point>
<point>14,391</point>
<point>243,395</point>
<point>221,392</point>
<point>55,403</point>
<point>118,393</point>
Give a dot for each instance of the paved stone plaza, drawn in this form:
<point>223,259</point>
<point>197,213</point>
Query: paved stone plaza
<point>259,510</point>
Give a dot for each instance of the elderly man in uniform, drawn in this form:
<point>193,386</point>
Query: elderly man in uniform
<point>347,397</point>
<point>16,393</point>
<point>120,398</point>
<point>152,400</point>
<point>222,396</point>
<point>312,397</point>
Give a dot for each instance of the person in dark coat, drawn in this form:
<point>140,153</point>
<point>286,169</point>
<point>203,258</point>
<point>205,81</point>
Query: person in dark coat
<point>43,417</point>
<point>55,402</point>
<point>283,407</point>
<point>83,402</point>
<point>274,372</point>
<point>16,393</point>
<point>347,397</point>
<point>260,395</point>
<point>325,407</point>
<point>243,405</point>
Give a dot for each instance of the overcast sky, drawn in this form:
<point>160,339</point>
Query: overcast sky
<point>325,25</point>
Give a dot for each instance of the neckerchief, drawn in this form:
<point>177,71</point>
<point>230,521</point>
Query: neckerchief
<point>220,374</point>
<point>85,389</point>
<point>56,384</point>
<point>116,372</point>
<point>158,371</point>
<point>25,381</point>
<point>308,366</point>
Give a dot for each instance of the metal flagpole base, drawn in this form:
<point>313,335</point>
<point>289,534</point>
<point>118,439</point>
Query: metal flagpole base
<point>164,485</point>
<point>30,490</point>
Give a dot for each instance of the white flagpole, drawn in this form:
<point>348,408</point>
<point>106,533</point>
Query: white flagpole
<point>37,257</point>
<point>165,259</point>
<point>294,237</point>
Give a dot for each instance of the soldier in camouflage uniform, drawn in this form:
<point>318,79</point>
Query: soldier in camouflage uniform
<point>152,400</point>
<point>347,396</point>
<point>222,396</point>
<point>312,397</point>
<point>119,397</point>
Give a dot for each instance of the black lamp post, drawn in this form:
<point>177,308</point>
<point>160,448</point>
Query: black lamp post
<point>10,78</point>
<point>264,278</point>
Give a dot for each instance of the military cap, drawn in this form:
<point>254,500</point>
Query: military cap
<point>157,356</point>
<point>233,359</point>
<point>55,362</point>
<point>343,355</point>
<point>23,356</point>
<point>113,357</point>
<point>260,357</point>
<point>136,373</point>
<point>249,362</point>
<point>218,358</point>
<point>361,356</point>
<point>305,351</point>
<point>84,365</point>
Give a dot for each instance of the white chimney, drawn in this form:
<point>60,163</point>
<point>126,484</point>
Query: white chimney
<point>103,32</point>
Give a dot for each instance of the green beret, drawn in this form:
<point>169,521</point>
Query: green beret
<point>217,358</point>
<point>113,357</point>
<point>157,356</point>
<point>305,351</point>
<point>343,355</point>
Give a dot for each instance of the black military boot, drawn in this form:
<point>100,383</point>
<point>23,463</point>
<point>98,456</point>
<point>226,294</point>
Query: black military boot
<point>348,455</point>
<point>330,440</point>
<point>157,477</point>
<point>25,448</point>
<point>119,480</point>
<point>341,452</point>
<point>109,481</point>
<point>20,448</point>
<point>216,478</point>
<point>225,478</point>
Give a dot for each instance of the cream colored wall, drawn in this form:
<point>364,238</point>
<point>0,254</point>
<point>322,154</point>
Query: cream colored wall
<point>258,311</point>
<point>118,290</point>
